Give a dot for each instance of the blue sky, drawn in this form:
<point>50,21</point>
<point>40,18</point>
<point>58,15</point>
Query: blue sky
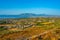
<point>15,7</point>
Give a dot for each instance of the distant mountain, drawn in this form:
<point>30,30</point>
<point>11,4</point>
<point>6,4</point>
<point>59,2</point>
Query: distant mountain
<point>25,15</point>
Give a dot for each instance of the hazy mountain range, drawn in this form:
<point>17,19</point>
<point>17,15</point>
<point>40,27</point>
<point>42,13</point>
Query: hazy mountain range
<point>26,15</point>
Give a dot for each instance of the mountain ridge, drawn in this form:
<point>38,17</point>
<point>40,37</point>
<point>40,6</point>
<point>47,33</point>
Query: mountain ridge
<point>25,15</point>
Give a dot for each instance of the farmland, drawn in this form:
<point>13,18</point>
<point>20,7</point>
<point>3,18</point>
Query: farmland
<point>30,29</point>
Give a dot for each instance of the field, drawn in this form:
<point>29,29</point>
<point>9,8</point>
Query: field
<point>30,29</point>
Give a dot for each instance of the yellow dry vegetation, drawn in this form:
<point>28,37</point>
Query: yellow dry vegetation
<point>6,25</point>
<point>14,29</point>
<point>29,32</point>
<point>47,23</point>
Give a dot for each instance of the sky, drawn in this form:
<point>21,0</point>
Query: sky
<point>16,7</point>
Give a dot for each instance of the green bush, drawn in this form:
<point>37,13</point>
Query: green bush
<point>2,28</point>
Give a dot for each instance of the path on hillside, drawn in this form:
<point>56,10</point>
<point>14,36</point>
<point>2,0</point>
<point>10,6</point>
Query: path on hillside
<point>32,37</point>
